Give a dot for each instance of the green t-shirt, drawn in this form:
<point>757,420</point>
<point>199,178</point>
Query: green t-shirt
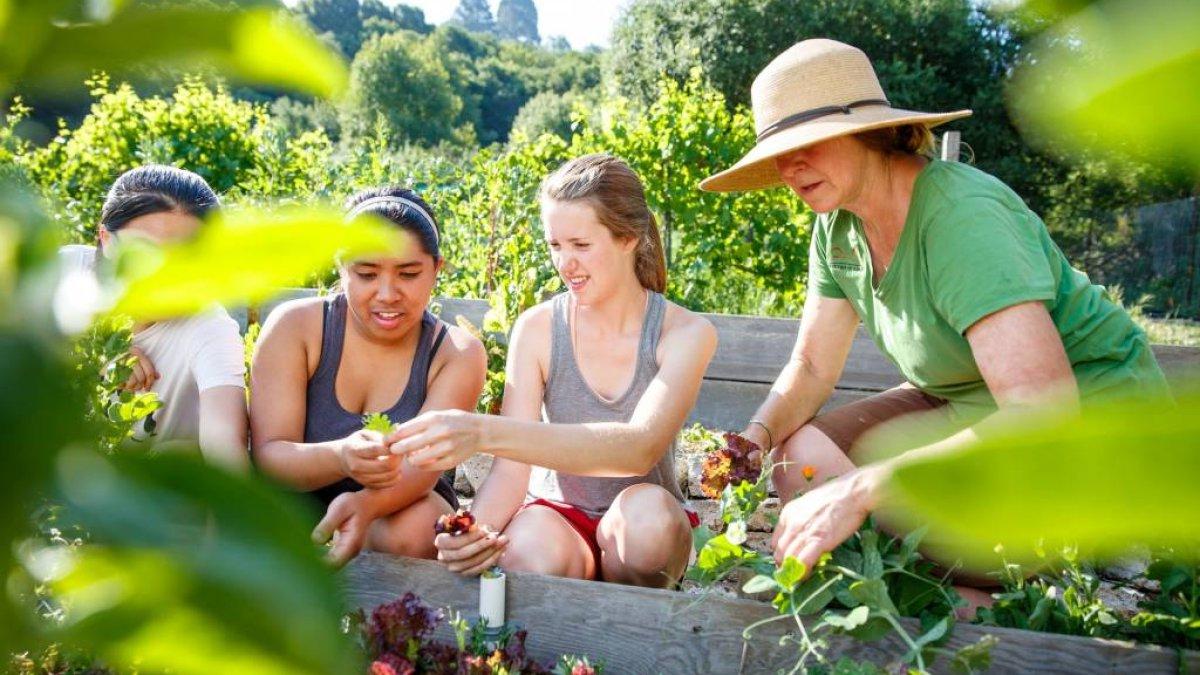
<point>970,247</point>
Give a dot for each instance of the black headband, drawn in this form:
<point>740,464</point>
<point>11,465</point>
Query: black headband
<point>396,201</point>
<point>809,115</point>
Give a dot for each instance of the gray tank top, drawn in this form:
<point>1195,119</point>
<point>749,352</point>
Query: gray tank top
<point>326,420</point>
<point>569,400</point>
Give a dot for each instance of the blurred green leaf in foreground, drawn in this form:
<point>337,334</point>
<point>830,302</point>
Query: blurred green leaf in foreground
<point>191,569</point>
<point>1117,76</point>
<point>1118,475</point>
<point>247,256</point>
<point>48,43</point>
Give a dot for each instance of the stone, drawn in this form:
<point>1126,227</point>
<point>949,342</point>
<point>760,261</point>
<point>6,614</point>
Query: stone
<point>709,511</point>
<point>470,474</point>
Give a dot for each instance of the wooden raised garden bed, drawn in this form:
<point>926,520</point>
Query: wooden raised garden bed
<point>644,630</point>
<point>638,630</point>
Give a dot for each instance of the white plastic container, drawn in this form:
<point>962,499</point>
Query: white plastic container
<point>491,597</point>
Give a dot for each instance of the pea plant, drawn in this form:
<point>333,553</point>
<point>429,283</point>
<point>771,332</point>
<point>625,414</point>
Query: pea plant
<point>862,589</point>
<point>377,422</point>
<point>103,364</point>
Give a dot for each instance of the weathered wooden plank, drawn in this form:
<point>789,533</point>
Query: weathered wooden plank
<point>1189,662</point>
<point>640,630</point>
<point>755,349</point>
<point>1181,365</point>
<point>472,310</point>
<point>728,405</point>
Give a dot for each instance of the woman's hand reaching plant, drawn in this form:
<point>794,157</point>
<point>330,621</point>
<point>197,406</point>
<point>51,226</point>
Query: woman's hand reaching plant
<point>819,520</point>
<point>439,440</point>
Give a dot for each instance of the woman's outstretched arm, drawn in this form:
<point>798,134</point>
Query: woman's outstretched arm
<point>592,449</point>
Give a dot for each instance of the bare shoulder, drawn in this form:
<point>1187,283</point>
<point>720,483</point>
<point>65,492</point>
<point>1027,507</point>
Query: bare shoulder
<point>682,324</point>
<point>531,336</point>
<point>536,319</point>
<point>298,320</point>
<point>532,328</point>
<point>460,343</point>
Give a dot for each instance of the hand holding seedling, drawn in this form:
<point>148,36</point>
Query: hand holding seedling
<point>438,440</point>
<point>364,455</point>
<point>467,548</point>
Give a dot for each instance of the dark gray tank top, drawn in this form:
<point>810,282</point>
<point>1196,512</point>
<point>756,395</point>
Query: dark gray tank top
<point>326,420</point>
<point>568,399</point>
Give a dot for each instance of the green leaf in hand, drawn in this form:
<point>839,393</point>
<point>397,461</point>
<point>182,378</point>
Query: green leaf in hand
<point>377,422</point>
<point>790,573</point>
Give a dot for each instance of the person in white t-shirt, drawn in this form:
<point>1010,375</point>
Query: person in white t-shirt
<point>195,364</point>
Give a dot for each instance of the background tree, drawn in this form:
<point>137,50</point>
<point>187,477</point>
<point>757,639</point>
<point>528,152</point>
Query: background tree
<point>495,78</point>
<point>338,17</point>
<point>558,43</point>
<point>379,19</point>
<point>410,18</point>
<point>399,79</point>
<point>547,113</point>
<point>517,20</point>
<point>474,15</point>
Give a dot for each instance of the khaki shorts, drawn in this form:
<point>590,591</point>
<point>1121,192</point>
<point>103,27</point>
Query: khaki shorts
<point>846,425</point>
<point>910,418</point>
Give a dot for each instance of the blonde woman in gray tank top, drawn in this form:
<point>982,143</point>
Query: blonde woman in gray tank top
<point>599,382</point>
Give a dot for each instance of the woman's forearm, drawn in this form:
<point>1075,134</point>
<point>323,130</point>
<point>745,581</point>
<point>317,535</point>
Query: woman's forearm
<point>227,448</point>
<point>501,494</point>
<point>795,398</point>
<point>414,485</point>
<point>609,449</point>
<point>306,466</point>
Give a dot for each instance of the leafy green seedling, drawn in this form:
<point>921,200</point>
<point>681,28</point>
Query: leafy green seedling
<point>377,422</point>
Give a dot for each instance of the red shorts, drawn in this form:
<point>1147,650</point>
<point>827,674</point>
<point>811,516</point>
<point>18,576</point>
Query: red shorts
<point>586,525</point>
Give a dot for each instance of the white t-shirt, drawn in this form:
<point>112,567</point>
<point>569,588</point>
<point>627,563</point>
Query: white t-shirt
<point>190,355</point>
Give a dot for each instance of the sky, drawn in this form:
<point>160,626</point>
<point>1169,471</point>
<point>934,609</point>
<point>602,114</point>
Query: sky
<point>582,22</point>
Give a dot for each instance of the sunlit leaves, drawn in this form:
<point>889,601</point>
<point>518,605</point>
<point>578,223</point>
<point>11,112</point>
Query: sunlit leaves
<point>191,566</point>
<point>259,45</point>
<point>1118,475</point>
<point>1119,75</point>
<point>246,256</point>
<point>269,47</point>
<point>39,413</point>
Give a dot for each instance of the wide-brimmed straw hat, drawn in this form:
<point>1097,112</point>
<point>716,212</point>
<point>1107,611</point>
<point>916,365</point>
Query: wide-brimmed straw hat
<point>814,91</point>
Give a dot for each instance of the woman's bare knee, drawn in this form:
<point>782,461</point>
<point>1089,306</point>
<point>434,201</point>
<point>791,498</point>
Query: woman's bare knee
<point>808,447</point>
<point>409,532</point>
<point>542,542</point>
<point>645,538</point>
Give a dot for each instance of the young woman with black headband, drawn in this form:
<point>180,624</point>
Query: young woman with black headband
<point>323,363</point>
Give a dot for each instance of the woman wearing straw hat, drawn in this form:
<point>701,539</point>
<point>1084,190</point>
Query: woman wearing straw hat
<point>954,278</point>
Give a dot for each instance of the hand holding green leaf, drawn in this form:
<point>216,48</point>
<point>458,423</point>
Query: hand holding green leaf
<point>377,422</point>
<point>365,458</point>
